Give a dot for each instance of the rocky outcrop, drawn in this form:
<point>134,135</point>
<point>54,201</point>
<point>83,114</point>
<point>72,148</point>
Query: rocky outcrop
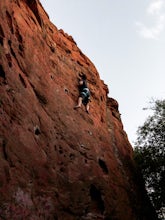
<point>57,162</point>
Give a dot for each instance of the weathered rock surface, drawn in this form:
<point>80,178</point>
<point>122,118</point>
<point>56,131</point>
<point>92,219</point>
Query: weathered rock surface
<point>57,162</point>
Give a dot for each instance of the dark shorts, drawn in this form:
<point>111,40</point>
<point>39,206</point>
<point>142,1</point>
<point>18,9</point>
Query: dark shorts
<point>85,94</point>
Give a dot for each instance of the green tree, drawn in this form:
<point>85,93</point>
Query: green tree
<point>149,154</point>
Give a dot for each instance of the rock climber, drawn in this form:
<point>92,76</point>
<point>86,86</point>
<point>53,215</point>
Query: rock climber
<point>84,93</point>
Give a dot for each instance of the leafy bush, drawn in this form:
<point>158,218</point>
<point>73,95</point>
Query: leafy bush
<point>149,154</point>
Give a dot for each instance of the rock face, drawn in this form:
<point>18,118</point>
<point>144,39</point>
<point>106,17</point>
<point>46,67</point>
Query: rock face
<point>57,162</point>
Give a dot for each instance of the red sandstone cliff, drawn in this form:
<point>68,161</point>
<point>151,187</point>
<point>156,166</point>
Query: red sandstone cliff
<point>57,162</point>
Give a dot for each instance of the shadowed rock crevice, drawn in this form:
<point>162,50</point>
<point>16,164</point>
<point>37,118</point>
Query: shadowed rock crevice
<point>41,98</point>
<point>96,198</point>
<point>9,59</point>
<point>33,5</point>
<point>2,72</point>
<point>22,81</point>
<point>4,150</point>
<point>10,22</point>
<point>1,35</point>
<point>37,130</point>
<point>103,166</point>
<point>20,41</point>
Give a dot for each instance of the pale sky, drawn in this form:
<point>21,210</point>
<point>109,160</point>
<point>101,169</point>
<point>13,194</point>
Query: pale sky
<point>125,39</point>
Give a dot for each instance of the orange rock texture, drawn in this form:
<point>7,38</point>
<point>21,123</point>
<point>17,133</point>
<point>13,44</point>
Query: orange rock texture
<point>57,163</point>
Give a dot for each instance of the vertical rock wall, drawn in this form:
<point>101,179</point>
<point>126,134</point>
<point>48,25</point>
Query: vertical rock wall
<point>57,162</point>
